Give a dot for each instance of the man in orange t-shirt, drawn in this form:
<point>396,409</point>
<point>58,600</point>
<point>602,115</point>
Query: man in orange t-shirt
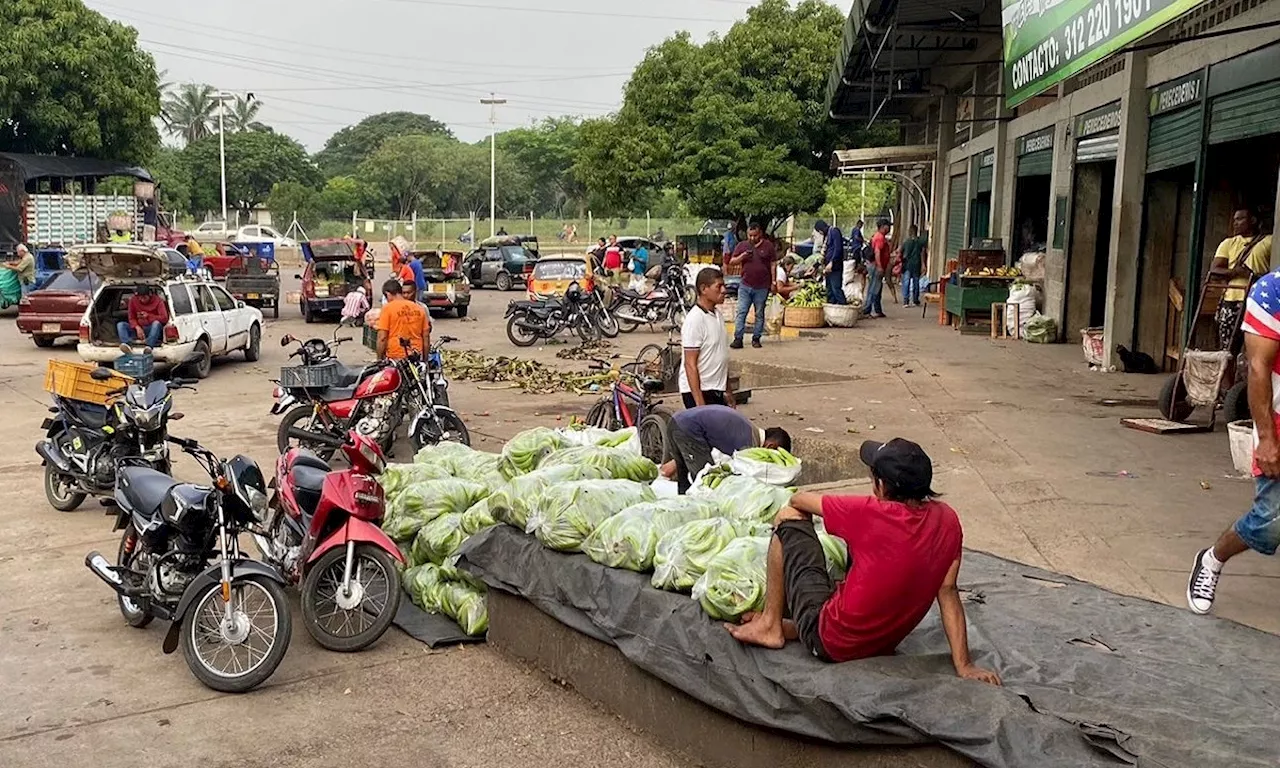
<point>401,319</point>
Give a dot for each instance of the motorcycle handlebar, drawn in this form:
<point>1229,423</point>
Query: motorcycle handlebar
<point>343,340</point>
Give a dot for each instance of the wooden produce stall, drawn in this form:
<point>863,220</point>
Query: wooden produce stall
<point>980,279</point>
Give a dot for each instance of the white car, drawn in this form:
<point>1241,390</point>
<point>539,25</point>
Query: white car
<point>260,233</point>
<point>204,320</point>
<point>212,230</point>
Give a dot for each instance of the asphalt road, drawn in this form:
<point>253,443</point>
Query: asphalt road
<point>83,688</point>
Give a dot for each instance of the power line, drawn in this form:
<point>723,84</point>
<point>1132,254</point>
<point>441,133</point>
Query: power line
<point>553,11</point>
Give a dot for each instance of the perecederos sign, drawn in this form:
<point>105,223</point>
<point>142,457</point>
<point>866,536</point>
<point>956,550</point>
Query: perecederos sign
<point>1047,41</point>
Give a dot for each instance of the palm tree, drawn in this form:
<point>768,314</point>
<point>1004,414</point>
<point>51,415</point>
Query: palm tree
<point>189,112</point>
<point>242,115</point>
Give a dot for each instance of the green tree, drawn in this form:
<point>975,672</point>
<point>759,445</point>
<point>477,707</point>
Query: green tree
<point>242,115</point>
<point>349,147</point>
<point>173,180</point>
<point>74,83</point>
<point>407,170</point>
<point>735,124</point>
<point>190,112</point>
<point>256,161</point>
<point>845,196</point>
<point>290,197</point>
<point>545,154</point>
<point>342,195</point>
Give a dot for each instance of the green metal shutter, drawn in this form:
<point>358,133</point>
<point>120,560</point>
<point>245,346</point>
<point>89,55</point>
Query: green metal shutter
<point>956,206</point>
<point>984,179</point>
<point>1173,140</point>
<point>1245,113</point>
<point>1036,164</point>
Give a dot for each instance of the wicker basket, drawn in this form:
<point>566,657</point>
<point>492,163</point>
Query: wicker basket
<point>74,382</point>
<point>802,317</point>
<point>841,315</point>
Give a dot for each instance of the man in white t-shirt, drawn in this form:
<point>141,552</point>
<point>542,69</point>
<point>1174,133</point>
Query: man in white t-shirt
<point>704,375</point>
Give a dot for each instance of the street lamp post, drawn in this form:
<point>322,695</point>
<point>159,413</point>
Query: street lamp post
<point>222,146</point>
<point>493,102</point>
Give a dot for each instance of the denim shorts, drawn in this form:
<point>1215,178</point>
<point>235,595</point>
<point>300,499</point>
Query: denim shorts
<point>1260,526</point>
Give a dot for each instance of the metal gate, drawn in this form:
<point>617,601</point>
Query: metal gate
<point>1245,113</point>
<point>956,205</point>
<point>1173,140</point>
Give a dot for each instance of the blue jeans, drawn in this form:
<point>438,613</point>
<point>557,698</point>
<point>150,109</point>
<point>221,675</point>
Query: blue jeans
<point>749,297</point>
<point>910,286</point>
<point>875,289</point>
<point>835,287</point>
<point>155,333</point>
<point>1260,526</point>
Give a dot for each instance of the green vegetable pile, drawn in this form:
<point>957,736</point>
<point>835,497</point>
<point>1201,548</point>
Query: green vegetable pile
<point>564,515</point>
<point>682,554</point>
<point>629,539</point>
<point>735,579</point>
<point>812,294</point>
<point>423,502</point>
<point>743,498</point>
<point>511,501</point>
<point>397,477</point>
<point>777,456</point>
<point>444,589</point>
<point>438,540</point>
<point>617,463</point>
<point>524,452</point>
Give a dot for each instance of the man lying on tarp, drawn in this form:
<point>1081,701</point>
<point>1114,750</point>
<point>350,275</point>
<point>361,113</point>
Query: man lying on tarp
<point>904,552</point>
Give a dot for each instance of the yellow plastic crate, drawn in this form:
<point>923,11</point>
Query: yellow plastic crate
<point>73,381</point>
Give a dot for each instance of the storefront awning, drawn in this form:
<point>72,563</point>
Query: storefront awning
<point>873,158</point>
<point>889,47</point>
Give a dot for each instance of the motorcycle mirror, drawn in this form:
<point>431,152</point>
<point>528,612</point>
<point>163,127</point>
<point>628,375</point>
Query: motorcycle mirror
<point>101,374</point>
<point>286,340</point>
<point>177,416</point>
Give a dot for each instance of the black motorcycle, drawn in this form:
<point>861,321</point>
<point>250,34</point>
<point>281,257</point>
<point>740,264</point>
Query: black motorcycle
<point>529,321</point>
<point>180,561</point>
<point>85,442</point>
<point>665,304</point>
<point>434,421</point>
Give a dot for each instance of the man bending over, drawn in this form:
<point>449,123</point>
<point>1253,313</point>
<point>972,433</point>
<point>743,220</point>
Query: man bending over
<point>904,552</point>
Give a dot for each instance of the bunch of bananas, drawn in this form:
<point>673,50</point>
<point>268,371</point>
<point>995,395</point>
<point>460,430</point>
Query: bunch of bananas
<point>810,295</point>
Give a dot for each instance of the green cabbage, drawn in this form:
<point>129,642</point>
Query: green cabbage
<point>630,538</point>
<point>565,514</point>
<point>618,463</point>
<point>510,503</point>
<point>735,579</point>
<point>423,502</point>
<point>745,498</point>
<point>525,451</point>
<point>683,553</point>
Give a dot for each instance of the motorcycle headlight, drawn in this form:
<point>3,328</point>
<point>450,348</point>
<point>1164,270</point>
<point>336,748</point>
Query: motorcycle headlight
<point>146,419</point>
<point>257,502</point>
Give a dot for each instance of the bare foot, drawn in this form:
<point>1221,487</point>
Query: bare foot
<point>758,632</point>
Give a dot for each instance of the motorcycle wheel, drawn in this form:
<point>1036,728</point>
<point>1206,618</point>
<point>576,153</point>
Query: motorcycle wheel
<point>627,326</point>
<point>454,431</point>
<point>521,337</point>
<point>257,643</point>
<point>57,491</point>
<point>586,328</point>
<point>301,418</point>
<point>607,323</point>
<point>134,614</point>
<point>376,582</point>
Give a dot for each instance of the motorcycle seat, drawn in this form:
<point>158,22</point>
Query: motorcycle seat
<point>304,458</point>
<point>307,483</point>
<point>145,488</point>
<point>630,294</point>
<point>536,303</point>
<point>89,415</point>
<point>338,394</point>
<point>346,376</point>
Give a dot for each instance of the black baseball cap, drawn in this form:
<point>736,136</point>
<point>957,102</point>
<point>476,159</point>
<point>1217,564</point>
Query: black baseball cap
<point>902,464</point>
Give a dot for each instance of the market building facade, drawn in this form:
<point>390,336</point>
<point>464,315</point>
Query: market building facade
<point>1115,137</point>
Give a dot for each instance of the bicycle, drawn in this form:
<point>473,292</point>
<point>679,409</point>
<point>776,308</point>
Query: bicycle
<point>631,404</point>
<point>660,361</point>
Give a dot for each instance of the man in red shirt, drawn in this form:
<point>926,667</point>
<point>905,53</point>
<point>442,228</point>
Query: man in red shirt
<point>148,315</point>
<point>878,269</point>
<point>904,550</point>
<point>756,256</point>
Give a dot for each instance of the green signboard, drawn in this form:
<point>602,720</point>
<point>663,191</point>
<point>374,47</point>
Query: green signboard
<point>1047,41</point>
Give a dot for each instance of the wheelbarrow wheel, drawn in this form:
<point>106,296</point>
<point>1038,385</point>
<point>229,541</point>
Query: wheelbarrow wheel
<point>1235,404</point>
<point>1173,400</point>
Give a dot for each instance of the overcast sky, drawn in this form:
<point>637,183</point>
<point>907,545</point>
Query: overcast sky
<point>319,65</point>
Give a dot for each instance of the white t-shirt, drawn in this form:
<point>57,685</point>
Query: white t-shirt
<point>704,331</point>
<point>780,275</point>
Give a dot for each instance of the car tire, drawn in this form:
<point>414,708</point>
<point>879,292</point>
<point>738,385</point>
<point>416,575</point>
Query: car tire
<point>503,282</point>
<point>44,342</point>
<point>307,314</point>
<point>462,310</point>
<point>275,310</point>
<point>253,350</point>
<point>203,364</point>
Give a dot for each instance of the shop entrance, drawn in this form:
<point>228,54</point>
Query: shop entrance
<point>1030,215</point>
<point>1238,174</point>
<point>1166,255</point>
<point>980,205</point>
<point>1089,251</point>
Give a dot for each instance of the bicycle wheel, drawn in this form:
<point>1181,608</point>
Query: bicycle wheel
<point>599,415</point>
<point>650,361</point>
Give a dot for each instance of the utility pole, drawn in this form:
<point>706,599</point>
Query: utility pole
<point>493,102</point>
<point>222,146</point>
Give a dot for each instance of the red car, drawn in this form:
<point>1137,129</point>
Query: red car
<point>56,307</point>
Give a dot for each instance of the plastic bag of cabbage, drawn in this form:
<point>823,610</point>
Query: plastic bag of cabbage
<point>745,498</point>
<point>565,514</point>
<point>618,463</point>
<point>397,477</point>
<point>524,452</point>
<point>835,549</point>
<point>630,538</point>
<point>510,503</point>
<point>735,579</point>
<point>423,502</point>
<point>438,540</point>
<point>443,589</point>
<point>682,554</point>
<point>628,439</point>
<point>477,518</point>
<point>459,460</point>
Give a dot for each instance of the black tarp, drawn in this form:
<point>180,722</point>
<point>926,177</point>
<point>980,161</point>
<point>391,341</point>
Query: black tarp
<point>434,629</point>
<point>16,170</point>
<point>1091,678</point>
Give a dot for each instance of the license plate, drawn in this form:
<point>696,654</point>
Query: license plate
<point>253,296</point>
<point>51,327</point>
<point>438,287</point>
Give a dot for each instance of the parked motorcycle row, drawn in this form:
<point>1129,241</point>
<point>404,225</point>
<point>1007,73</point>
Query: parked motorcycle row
<point>316,528</point>
<point>602,312</point>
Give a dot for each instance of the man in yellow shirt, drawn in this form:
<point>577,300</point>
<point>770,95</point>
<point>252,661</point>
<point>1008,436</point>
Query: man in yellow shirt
<point>1241,258</point>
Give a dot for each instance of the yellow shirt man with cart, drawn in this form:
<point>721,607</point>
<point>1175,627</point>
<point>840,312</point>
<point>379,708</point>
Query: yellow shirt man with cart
<point>1241,258</point>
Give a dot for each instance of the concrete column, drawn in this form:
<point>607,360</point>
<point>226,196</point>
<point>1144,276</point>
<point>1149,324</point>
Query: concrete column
<point>941,185</point>
<point>1002,165</point>
<point>1127,202</point>
<point>1055,259</point>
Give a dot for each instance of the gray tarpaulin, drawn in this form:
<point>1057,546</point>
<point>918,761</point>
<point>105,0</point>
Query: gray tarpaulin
<point>1091,678</point>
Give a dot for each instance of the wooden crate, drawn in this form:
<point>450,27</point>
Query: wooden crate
<point>74,382</point>
<point>980,259</point>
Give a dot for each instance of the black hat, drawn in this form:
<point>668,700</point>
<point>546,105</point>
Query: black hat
<point>902,464</point>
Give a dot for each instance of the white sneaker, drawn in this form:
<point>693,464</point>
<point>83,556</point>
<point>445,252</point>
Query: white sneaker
<point>1202,585</point>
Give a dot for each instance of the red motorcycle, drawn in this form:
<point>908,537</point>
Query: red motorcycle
<point>323,532</point>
